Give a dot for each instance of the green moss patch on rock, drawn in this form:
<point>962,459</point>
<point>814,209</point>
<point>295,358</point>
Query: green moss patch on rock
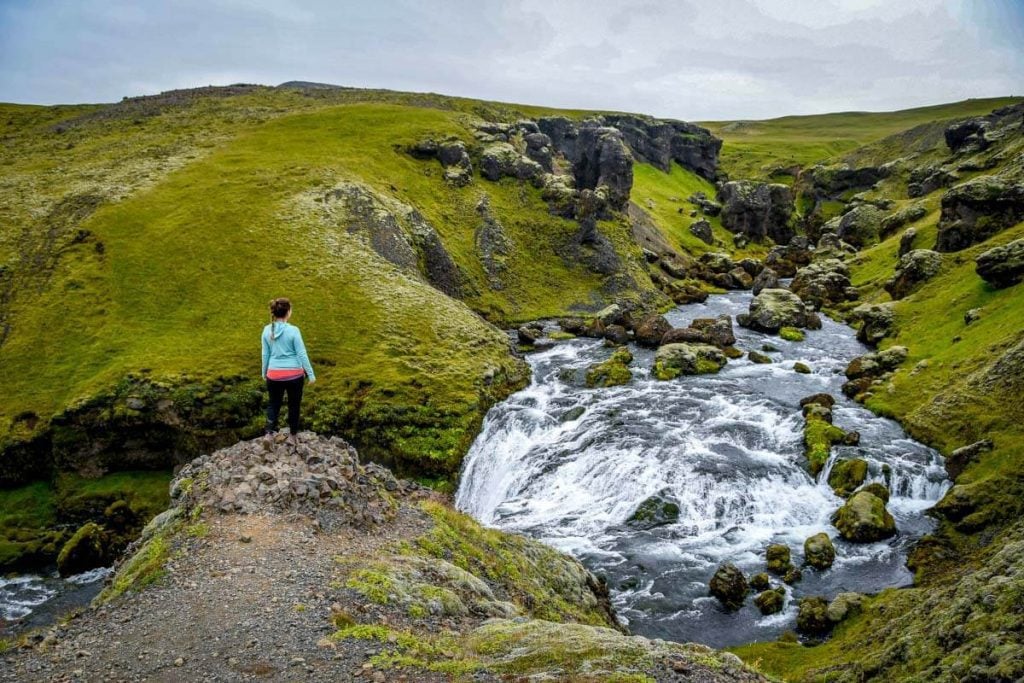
<point>864,519</point>
<point>611,372</point>
<point>674,360</point>
<point>793,334</point>
<point>819,436</point>
<point>847,475</point>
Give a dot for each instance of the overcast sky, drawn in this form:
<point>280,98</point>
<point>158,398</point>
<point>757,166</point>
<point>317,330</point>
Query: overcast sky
<point>698,60</point>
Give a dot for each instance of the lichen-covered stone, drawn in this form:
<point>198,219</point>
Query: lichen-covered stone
<point>914,269</point>
<point>757,357</point>
<point>658,510</point>
<point>812,617</point>
<point>824,283</point>
<point>860,226</point>
<point>719,330</point>
<point>844,605</point>
<point>760,581</point>
<point>877,321</point>
<point>773,309</point>
<point>802,368</point>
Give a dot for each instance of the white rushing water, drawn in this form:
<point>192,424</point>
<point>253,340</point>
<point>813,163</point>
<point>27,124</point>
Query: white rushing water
<point>726,447</point>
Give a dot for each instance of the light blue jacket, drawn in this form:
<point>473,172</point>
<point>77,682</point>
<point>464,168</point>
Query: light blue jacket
<point>286,351</point>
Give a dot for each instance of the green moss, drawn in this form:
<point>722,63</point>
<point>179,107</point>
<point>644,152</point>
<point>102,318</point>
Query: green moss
<point>146,565</point>
<point>819,436</point>
<point>792,334</point>
<point>612,372</point>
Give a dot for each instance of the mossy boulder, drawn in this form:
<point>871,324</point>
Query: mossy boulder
<point>658,510</point>
<point>979,208</point>
<point>759,358</point>
<point>612,372</point>
<point>793,575</point>
<point>760,581</point>
<point>819,551</point>
<point>877,321</point>
<point>1002,266</point>
<point>673,360</point>
<point>844,605</point>
<point>879,490</point>
<point>860,226</point>
<point>766,279</point>
<point>913,270</point>
<point>847,475</point>
<point>824,283</point>
<point>770,601</point>
<point>778,557</point>
<point>801,368</point>
<point>864,519</point>
<point>773,309</point>
<point>718,330</point>
<point>651,329</point>
<point>87,549</point>
<point>812,617</point>
<point>819,436</point>
<point>730,586</point>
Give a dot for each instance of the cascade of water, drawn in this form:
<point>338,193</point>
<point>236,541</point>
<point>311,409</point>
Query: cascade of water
<point>726,448</point>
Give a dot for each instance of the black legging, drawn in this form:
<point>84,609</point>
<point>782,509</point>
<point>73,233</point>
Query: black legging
<point>277,391</point>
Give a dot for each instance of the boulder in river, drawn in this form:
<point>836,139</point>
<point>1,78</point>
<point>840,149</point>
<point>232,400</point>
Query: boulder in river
<point>778,557</point>
<point>673,360</point>
<point>612,372</point>
<point>651,329</point>
<point>730,586</point>
<point>824,283</point>
<point>770,601</point>
<point>847,475</point>
<point>685,335</point>
<point>758,357</point>
<point>87,549</point>
<point>1002,266</point>
<point>658,510</point>
<point>719,330</point>
<point>819,551</point>
<point>773,309</point>
<point>760,581</point>
<point>879,490</point>
<point>864,519</point>
<point>802,368</point>
<point>819,436</point>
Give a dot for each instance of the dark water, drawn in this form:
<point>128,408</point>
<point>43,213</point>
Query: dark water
<point>33,600</point>
<point>727,447</point>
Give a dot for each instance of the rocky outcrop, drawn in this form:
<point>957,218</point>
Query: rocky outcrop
<point>864,519</point>
<point>824,283</point>
<point>758,211</point>
<point>673,360</point>
<point>702,230</point>
<point>602,160</point>
<point>501,160</point>
<point>812,617</point>
<point>961,458</point>
<point>968,135</point>
<point>766,279</point>
<point>773,309</point>
<point>898,219</point>
<point>1002,266</point>
<point>659,142</point>
<point>906,242</point>
<point>914,269</point>
<point>395,231</point>
<point>978,209</point>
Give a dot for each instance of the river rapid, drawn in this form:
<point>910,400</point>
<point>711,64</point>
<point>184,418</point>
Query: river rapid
<point>727,447</point>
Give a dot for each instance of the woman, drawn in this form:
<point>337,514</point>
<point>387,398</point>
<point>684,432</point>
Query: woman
<point>285,365</point>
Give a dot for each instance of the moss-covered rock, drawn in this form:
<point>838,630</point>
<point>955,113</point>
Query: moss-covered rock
<point>760,581</point>
<point>770,601</point>
<point>759,358</point>
<point>819,435</point>
<point>730,586</point>
<point>819,551</point>
<point>658,510</point>
<point>651,329</point>
<point>812,617</point>
<point>913,270</point>
<point>612,372</point>
<point>778,558</point>
<point>844,605</point>
<point>1002,266</point>
<point>847,475</point>
<point>801,368</point>
<point>773,309</point>
<point>673,360</point>
<point>864,519</point>
<point>792,334</point>
<point>879,490</point>
<point>86,549</point>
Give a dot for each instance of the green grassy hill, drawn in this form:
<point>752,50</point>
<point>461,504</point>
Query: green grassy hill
<point>765,149</point>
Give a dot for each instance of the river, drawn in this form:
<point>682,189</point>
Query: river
<point>728,447</point>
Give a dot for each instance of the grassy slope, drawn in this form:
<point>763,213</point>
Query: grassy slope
<point>205,210</point>
<point>753,149</point>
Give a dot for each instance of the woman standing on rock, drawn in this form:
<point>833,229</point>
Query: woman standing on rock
<point>285,365</point>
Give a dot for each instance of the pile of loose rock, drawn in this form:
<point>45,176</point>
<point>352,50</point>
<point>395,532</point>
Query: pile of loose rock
<point>306,474</point>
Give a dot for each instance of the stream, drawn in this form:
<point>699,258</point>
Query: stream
<point>728,447</point>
